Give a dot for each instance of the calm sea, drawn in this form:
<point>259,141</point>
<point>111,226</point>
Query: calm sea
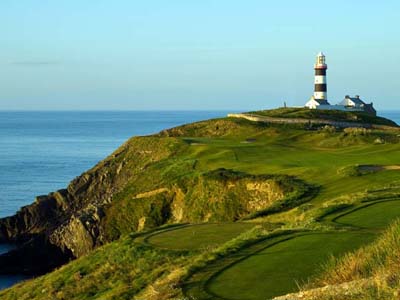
<point>42,151</point>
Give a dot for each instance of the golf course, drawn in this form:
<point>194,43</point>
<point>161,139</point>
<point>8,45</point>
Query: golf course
<point>233,209</point>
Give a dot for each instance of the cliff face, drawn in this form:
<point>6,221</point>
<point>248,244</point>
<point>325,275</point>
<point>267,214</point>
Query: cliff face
<point>68,220</point>
<point>214,196</point>
<point>147,182</point>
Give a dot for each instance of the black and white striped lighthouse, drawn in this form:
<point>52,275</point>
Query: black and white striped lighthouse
<point>320,88</point>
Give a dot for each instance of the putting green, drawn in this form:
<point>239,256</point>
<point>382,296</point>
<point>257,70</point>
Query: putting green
<point>277,270</point>
<point>375,216</point>
<point>198,236</point>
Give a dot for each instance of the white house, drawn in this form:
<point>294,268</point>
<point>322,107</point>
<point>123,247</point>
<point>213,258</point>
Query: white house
<point>357,104</point>
<point>316,103</point>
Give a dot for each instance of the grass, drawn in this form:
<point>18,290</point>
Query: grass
<point>116,271</point>
<point>219,195</point>
<point>374,216</point>
<point>278,269</point>
<point>195,237</point>
<point>378,263</point>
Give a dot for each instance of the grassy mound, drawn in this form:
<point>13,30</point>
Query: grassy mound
<point>214,196</point>
<point>224,127</point>
<point>335,115</point>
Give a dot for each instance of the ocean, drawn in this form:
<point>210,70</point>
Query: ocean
<point>42,152</point>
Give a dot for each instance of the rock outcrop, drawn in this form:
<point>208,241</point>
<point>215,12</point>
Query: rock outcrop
<point>66,224</point>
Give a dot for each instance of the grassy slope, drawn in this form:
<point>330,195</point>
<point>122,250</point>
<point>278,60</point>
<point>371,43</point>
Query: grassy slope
<point>378,263</point>
<point>316,157</point>
<point>116,271</point>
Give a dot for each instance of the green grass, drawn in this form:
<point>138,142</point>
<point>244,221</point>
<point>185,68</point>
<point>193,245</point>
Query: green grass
<point>374,216</point>
<point>377,263</point>
<point>279,269</point>
<point>116,271</point>
<point>197,237</point>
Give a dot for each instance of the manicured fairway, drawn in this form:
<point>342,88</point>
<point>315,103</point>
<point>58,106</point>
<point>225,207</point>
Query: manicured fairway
<point>277,270</point>
<point>377,216</point>
<point>198,236</point>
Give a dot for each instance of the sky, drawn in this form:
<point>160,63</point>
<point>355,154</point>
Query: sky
<point>194,55</point>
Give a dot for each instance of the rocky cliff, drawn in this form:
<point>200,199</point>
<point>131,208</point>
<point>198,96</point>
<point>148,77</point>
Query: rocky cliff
<point>147,182</point>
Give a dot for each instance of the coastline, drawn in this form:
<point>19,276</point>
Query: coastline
<point>44,151</point>
<point>16,278</point>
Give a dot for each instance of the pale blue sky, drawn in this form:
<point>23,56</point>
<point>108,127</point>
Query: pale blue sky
<point>187,54</point>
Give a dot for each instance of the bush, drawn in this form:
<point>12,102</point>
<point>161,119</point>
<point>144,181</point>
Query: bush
<point>357,131</point>
<point>328,129</point>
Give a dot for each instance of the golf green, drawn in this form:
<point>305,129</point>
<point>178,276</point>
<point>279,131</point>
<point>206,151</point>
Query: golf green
<point>198,236</point>
<point>279,269</point>
<point>375,216</point>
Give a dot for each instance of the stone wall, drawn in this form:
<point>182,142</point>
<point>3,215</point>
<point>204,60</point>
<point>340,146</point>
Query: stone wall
<point>340,124</point>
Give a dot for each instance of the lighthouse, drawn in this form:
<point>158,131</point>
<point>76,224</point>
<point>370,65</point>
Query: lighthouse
<point>319,100</point>
<point>320,88</point>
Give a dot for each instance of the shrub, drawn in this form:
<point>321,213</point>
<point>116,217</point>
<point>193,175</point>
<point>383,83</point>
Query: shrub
<point>356,131</point>
<point>328,129</point>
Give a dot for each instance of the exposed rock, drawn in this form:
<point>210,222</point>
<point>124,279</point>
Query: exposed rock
<point>177,206</point>
<point>66,224</point>
<point>150,193</point>
<point>142,224</point>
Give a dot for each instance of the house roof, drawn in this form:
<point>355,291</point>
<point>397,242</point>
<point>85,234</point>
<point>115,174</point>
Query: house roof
<point>357,101</point>
<point>322,102</point>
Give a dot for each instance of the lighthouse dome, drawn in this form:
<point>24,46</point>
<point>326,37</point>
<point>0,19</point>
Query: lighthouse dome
<point>320,54</point>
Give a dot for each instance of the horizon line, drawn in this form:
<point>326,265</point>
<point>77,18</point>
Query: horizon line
<point>154,110</point>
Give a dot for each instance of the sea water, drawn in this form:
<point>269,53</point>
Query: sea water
<point>8,280</point>
<point>41,152</point>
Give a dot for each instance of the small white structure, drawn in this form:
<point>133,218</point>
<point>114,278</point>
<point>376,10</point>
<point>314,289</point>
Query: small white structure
<point>356,104</point>
<point>316,103</point>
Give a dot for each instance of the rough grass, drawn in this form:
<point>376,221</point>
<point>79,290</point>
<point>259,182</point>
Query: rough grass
<point>266,274</point>
<point>116,271</point>
<point>383,256</point>
<point>378,262</point>
<point>305,113</point>
<point>210,196</point>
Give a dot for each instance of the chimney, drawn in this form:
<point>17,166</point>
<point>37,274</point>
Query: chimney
<point>358,96</point>
<point>347,96</point>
